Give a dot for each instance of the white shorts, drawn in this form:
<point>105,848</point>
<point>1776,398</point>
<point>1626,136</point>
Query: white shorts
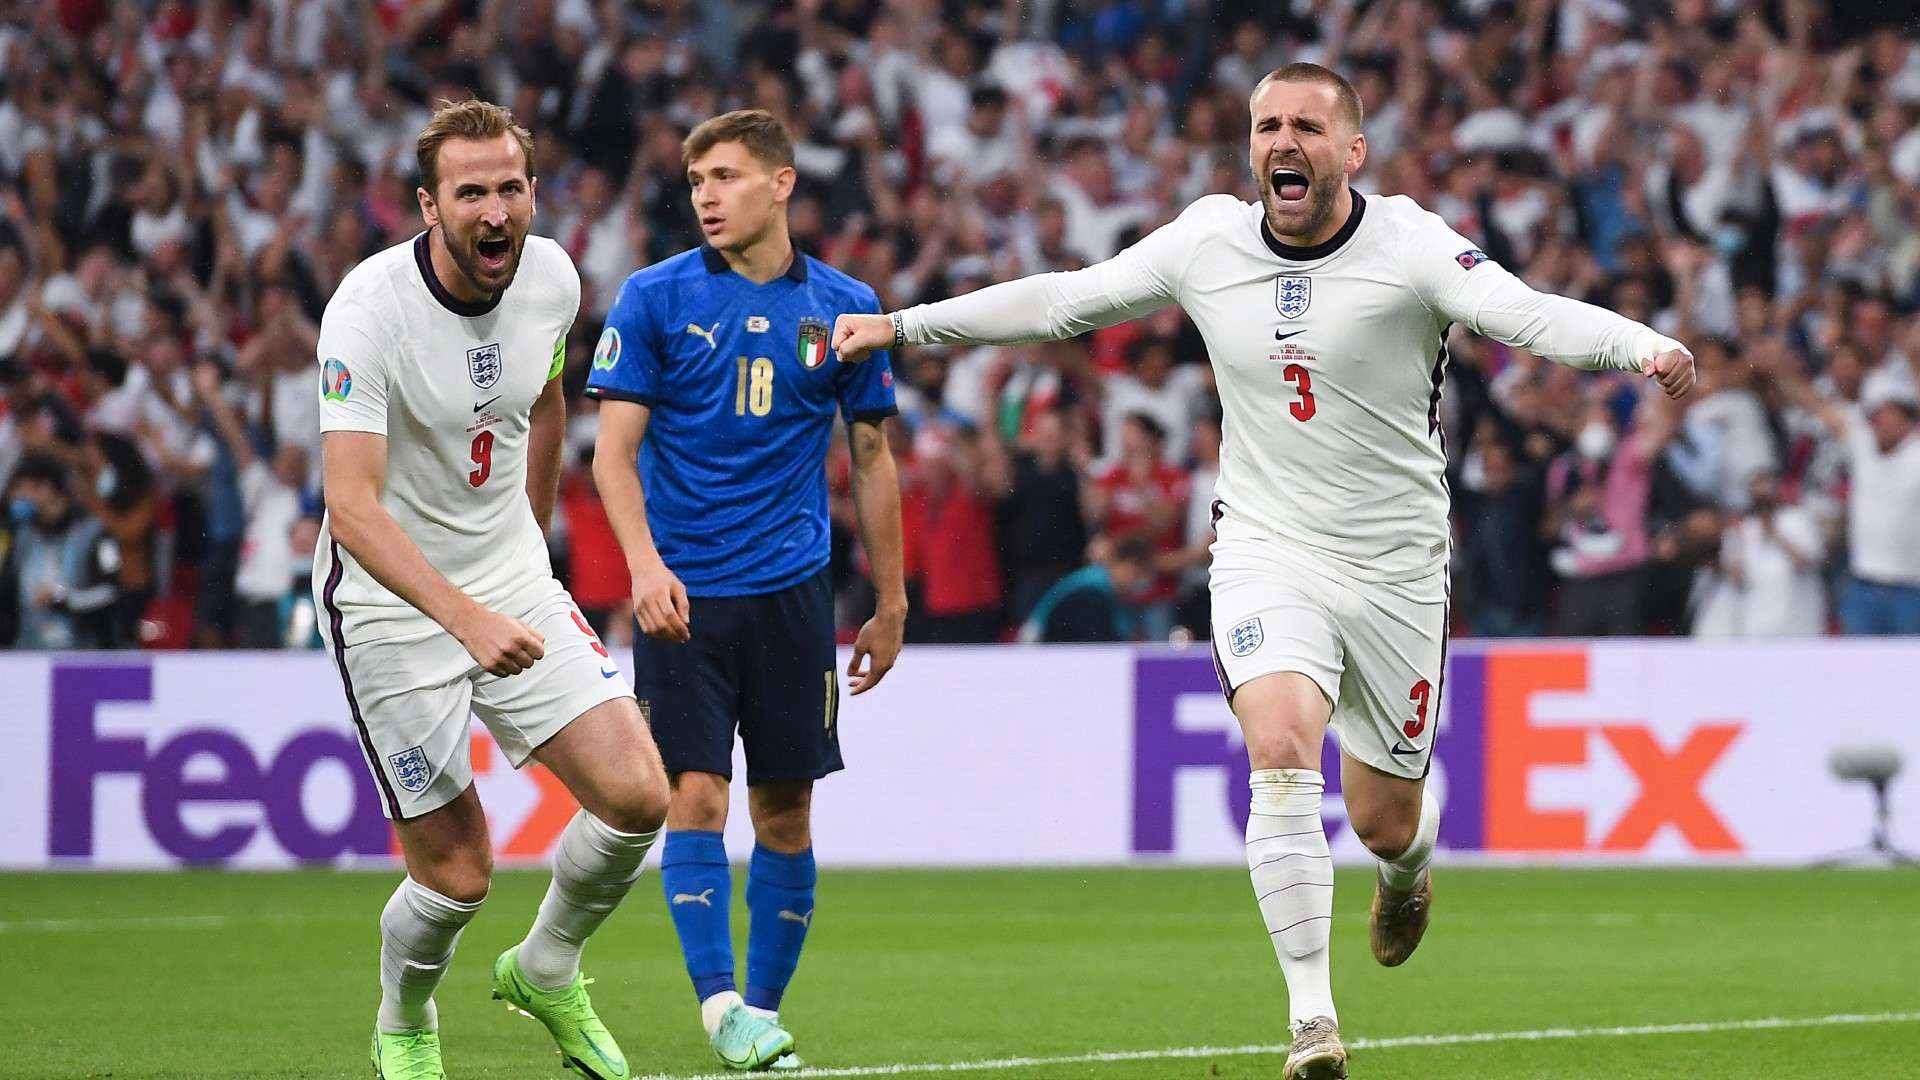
<point>1374,650</point>
<point>412,697</point>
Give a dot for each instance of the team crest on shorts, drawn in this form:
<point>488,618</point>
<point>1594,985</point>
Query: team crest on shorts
<point>1292,295</point>
<point>410,768</point>
<point>1246,637</point>
<point>483,364</point>
<point>813,342</point>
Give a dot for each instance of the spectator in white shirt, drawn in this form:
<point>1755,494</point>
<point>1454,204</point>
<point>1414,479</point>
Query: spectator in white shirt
<point>1769,583</point>
<point>1882,442</point>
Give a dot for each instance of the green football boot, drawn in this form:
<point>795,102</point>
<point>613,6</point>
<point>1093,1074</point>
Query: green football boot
<point>748,1042</point>
<point>585,1045</point>
<point>407,1055</point>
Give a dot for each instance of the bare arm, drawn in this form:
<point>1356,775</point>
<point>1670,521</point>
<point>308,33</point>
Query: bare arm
<point>876,500</point>
<point>659,598</point>
<point>544,442</point>
<point>206,384</point>
<point>354,470</point>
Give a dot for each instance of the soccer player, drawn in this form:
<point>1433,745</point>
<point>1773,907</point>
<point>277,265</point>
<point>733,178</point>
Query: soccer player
<point>1326,316</point>
<point>442,421</point>
<point>714,373</point>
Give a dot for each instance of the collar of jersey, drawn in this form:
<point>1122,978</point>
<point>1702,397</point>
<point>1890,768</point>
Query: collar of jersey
<point>1323,249</point>
<point>423,258</point>
<point>717,263</point>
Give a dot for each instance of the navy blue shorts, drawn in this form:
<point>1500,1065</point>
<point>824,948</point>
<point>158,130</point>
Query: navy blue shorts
<point>762,665</point>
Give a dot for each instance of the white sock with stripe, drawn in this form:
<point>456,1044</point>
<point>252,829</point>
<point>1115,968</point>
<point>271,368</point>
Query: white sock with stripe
<point>418,930</point>
<point>1292,872</point>
<point>594,867</point>
<point>1404,872</point>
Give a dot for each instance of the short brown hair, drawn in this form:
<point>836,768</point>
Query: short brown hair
<point>474,119</point>
<point>1343,90</point>
<point>761,132</point>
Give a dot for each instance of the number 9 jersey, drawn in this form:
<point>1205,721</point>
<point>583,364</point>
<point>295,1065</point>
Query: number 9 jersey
<point>452,386</point>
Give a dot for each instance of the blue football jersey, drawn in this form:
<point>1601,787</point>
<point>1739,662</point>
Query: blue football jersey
<point>743,387</point>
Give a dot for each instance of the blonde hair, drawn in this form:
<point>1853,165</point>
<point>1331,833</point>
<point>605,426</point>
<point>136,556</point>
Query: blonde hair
<point>474,119</point>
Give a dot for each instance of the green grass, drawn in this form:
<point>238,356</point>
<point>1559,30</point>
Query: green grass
<point>113,975</point>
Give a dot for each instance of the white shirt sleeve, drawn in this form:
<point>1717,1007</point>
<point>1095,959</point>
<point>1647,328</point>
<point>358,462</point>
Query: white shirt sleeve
<point>1457,280</point>
<point>354,371</point>
<point>1049,307</point>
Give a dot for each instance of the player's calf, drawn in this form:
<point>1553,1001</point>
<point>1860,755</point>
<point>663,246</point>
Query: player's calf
<point>1403,892</point>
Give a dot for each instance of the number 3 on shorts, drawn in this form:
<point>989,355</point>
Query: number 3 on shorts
<point>1419,695</point>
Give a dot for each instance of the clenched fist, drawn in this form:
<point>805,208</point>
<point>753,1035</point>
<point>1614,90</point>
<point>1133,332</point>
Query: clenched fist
<point>855,337</point>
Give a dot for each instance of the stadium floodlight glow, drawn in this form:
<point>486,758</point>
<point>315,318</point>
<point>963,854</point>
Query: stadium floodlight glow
<point>1874,762</point>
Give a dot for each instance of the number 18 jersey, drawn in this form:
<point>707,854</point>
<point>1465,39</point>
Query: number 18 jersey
<point>451,385</point>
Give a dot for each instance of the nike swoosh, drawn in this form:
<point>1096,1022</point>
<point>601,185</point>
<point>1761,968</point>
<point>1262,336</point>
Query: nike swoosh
<point>488,402</point>
<point>1402,751</point>
<point>609,674</point>
<point>1278,336</point>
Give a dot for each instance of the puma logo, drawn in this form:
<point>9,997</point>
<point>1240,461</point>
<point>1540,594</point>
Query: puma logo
<point>696,331</point>
<point>705,896</point>
<point>804,920</point>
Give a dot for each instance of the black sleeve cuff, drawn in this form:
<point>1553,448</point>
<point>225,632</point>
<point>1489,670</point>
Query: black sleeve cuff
<point>605,394</point>
<point>874,416</point>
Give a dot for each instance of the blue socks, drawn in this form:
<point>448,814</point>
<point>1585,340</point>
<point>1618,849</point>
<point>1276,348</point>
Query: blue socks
<point>780,898</point>
<point>693,874</point>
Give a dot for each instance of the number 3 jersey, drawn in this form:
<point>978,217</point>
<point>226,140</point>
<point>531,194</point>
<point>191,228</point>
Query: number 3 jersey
<point>1329,360</point>
<point>743,388</point>
<point>451,385</point>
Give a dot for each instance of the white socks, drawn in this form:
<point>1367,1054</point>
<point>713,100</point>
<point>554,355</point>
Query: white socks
<point>1403,874</point>
<point>594,865</point>
<point>716,1006</point>
<point>417,933</point>
<point>1292,874</point>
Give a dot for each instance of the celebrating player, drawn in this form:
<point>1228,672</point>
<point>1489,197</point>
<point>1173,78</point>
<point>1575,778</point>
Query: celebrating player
<point>1326,316</point>
<point>442,420</point>
<point>714,370</point>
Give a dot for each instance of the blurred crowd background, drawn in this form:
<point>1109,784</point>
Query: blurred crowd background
<point>182,185</point>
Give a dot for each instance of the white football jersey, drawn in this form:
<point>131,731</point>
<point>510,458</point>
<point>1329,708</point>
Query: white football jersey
<point>451,385</point>
<point>1329,360</point>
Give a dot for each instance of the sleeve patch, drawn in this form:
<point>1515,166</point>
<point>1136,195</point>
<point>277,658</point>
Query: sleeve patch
<point>559,358</point>
<point>1471,258</point>
<point>336,382</point>
<point>606,354</point>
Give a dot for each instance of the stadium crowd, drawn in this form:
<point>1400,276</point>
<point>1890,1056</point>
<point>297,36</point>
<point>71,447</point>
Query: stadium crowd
<point>182,185</point>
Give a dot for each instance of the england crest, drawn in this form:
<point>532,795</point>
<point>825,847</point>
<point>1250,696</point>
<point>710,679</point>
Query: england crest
<point>1291,295</point>
<point>410,768</point>
<point>813,342</point>
<point>483,364</point>
<point>1246,637</point>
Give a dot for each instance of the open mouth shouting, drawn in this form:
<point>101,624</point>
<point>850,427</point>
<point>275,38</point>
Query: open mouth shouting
<point>1289,186</point>
<point>494,251</point>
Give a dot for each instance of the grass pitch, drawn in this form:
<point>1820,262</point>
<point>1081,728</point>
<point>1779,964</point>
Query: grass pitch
<point>209,975</point>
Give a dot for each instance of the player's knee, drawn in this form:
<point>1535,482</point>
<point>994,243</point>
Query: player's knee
<point>698,801</point>
<point>640,808</point>
<point>1282,748</point>
<point>788,830</point>
<point>1385,833</point>
<point>465,876</point>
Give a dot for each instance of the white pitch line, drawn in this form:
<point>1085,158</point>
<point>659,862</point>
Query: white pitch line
<point>1768,1023</point>
<point>150,922</point>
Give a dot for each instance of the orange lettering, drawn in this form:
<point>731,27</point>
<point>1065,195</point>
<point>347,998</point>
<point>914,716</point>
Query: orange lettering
<point>1515,746</point>
<point>1670,788</point>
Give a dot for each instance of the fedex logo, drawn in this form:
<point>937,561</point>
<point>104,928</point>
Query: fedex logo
<point>1497,764</point>
<point>1668,776</point>
<point>201,766</point>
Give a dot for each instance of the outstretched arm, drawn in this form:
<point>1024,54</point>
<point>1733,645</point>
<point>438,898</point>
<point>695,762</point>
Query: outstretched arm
<point>1458,281</point>
<point>1043,307</point>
